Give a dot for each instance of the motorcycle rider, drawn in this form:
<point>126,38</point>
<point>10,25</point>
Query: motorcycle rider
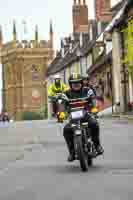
<point>86,83</point>
<point>77,91</point>
<point>57,87</point>
<point>90,88</point>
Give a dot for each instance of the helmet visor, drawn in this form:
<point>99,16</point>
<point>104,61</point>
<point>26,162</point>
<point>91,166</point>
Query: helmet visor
<point>57,81</point>
<point>76,86</point>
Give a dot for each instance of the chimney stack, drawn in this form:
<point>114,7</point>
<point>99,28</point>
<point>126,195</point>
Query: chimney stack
<point>79,2</point>
<point>84,2</point>
<point>80,17</point>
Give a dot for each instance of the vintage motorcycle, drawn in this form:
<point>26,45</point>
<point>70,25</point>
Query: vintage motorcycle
<point>83,145</point>
<point>60,107</point>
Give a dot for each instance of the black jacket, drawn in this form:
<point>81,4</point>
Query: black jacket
<point>83,93</point>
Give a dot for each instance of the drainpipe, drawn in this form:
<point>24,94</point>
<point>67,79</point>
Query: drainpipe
<point>112,96</point>
<point>124,72</point>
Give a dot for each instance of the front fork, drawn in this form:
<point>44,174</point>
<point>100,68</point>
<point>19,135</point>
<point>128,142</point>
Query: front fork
<point>75,147</point>
<point>82,133</point>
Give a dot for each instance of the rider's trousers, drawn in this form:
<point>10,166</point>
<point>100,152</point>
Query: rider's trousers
<point>95,133</point>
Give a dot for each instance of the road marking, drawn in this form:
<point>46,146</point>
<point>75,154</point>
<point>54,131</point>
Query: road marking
<point>123,171</point>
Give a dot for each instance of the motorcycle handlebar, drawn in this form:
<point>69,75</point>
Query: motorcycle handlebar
<point>60,96</point>
<point>64,97</point>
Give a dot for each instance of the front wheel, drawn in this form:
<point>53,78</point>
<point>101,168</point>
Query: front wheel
<point>90,162</point>
<point>81,154</point>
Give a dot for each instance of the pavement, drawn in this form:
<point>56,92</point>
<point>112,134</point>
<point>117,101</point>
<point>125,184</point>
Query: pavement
<point>34,167</point>
<point>128,116</point>
<point>108,113</point>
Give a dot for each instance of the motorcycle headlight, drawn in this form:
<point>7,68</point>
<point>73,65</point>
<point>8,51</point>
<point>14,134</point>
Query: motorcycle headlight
<point>60,101</point>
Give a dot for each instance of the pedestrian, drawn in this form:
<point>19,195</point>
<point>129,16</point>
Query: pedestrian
<point>1,117</point>
<point>5,117</point>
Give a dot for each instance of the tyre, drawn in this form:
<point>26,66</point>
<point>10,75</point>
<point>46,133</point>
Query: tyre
<point>60,120</point>
<point>90,162</point>
<point>81,154</point>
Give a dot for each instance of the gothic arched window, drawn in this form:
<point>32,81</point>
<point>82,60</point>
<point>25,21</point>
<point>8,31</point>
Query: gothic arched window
<point>35,73</point>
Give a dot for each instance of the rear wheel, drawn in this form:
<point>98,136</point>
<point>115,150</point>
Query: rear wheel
<point>61,121</point>
<point>81,154</point>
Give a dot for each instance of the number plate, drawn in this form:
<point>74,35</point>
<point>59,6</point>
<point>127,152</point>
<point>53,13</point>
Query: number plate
<point>77,114</point>
<point>78,132</point>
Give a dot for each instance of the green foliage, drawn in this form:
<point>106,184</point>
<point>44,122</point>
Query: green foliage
<point>31,116</point>
<point>44,112</point>
<point>128,41</point>
<point>130,70</point>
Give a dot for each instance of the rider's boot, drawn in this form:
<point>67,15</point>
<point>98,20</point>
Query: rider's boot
<point>99,149</point>
<point>96,140</point>
<point>71,157</point>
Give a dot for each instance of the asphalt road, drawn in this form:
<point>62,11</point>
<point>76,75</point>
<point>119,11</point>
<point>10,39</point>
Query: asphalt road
<point>36,168</point>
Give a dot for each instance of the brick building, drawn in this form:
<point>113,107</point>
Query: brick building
<point>103,12</point>
<point>24,66</point>
<point>80,17</point>
<point>81,54</point>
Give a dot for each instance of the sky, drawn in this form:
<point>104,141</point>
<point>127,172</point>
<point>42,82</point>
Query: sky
<point>38,12</point>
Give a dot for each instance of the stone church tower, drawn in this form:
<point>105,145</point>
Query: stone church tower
<point>24,66</point>
<point>80,17</point>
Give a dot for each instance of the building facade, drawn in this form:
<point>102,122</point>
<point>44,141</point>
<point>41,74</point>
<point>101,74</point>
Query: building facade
<point>24,66</point>
<point>122,38</point>
<point>82,55</point>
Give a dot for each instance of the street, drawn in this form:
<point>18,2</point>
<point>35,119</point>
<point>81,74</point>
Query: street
<point>33,163</point>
